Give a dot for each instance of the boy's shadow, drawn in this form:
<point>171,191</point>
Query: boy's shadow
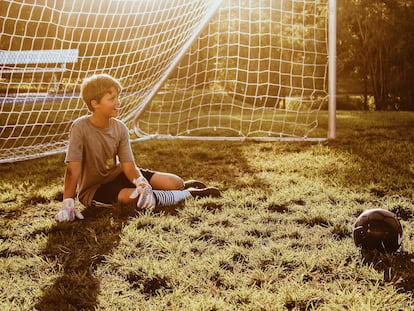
<point>79,247</point>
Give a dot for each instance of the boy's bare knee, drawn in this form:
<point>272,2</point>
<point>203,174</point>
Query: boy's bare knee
<point>179,183</point>
<point>124,196</point>
<point>175,183</point>
<point>163,181</point>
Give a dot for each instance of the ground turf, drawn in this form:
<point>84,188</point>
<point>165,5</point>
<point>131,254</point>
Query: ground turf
<point>279,239</point>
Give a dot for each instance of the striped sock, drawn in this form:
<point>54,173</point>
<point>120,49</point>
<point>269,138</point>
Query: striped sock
<point>170,197</point>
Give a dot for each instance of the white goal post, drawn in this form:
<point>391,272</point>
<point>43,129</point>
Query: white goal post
<point>190,69</point>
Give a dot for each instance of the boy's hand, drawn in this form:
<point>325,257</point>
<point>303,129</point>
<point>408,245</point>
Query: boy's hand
<point>143,192</point>
<point>68,212</point>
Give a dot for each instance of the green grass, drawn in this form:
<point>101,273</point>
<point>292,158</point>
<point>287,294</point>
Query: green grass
<point>279,239</point>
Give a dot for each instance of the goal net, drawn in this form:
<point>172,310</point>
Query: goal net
<point>193,69</point>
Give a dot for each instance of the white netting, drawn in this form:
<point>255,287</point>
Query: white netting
<point>190,68</point>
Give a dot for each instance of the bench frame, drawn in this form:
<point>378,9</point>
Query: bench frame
<point>11,61</point>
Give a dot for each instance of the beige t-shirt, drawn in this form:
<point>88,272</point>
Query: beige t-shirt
<point>100,151</point>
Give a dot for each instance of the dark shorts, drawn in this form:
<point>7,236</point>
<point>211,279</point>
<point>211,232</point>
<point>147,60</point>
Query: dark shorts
<point>108,193</point>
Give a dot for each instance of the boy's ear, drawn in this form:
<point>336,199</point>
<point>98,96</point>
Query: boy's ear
<point>94,103</point>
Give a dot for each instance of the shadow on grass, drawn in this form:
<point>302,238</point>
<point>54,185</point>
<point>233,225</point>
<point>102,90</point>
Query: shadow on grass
<point>79,247</point>
<point>382,145</point>
<point>398,268</point>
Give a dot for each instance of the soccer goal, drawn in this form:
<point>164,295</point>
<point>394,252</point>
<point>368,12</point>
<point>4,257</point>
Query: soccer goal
<point>190,69</point>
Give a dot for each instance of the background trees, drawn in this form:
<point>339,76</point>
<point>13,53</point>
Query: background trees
<point>375,56</point>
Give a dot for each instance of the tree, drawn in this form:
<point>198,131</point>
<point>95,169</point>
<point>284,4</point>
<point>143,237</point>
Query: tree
<point>373,47</point>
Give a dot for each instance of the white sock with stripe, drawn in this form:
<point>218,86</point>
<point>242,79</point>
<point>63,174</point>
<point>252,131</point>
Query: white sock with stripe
<point>170,197</point>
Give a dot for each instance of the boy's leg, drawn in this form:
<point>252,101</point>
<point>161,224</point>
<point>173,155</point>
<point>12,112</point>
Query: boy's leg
<point>175,189</point>
<point>172,197</point>
<point>168,189</point>
<point>121,188</point>
<point>205,192</point>
<point>194,184</point>
<point>108,193</point>
<point>165,181</point>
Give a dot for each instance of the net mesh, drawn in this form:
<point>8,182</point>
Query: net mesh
<point>190,69</point>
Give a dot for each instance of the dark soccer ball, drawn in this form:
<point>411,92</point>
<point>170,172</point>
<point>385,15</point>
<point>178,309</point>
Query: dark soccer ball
<point>378,229</point>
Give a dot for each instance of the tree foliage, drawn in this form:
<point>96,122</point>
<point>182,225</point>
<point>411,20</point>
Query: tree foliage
<point>374,47</point>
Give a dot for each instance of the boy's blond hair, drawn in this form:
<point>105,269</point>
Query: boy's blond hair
<point>96,86</point>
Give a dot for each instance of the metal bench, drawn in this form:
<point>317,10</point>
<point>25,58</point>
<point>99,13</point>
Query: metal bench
<point>11,62</point>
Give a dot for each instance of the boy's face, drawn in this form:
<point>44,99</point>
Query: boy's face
<point>109,104</point>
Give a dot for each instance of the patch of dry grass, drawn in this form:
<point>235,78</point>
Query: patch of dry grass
<point>279,239</point>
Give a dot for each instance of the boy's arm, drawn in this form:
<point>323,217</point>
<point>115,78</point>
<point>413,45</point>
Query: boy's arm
<point>72,174</point>
<point>131,171</point>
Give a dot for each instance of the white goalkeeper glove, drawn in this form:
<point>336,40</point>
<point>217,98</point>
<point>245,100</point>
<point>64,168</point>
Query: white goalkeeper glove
<point>68,212</point>
<point>143,192</point>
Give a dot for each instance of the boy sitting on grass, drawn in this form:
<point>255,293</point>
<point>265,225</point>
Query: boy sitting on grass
<point>100,163</point>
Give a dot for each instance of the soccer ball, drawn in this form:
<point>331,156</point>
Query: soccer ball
<point>378,229</point>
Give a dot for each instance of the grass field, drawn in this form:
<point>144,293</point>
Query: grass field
<point>278,239</point>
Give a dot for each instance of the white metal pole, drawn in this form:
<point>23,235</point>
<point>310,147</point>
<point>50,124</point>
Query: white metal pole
<point>332,69</point>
